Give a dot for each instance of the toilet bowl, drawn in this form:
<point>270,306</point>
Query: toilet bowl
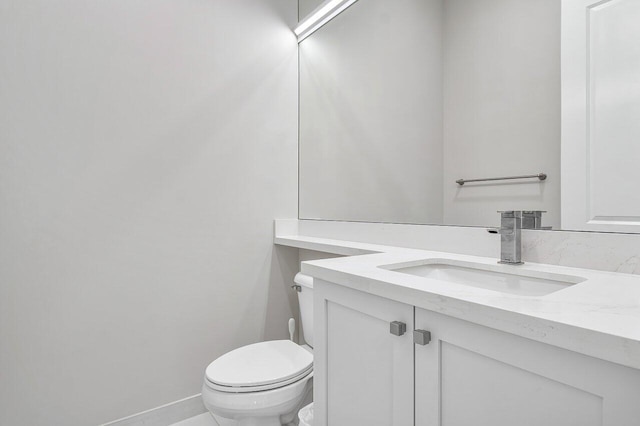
<point>266,383</point>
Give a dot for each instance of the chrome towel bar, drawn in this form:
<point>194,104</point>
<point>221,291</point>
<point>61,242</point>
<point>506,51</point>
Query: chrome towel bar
<point>541,176</point>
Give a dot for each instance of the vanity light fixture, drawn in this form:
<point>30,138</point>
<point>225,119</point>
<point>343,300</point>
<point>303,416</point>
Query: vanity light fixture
<point>323,14</point>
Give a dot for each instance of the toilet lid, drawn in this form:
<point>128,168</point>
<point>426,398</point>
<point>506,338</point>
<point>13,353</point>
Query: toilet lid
<point>259,364</point>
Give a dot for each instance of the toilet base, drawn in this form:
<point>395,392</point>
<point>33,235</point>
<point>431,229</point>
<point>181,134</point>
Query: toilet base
<point>286,414</point>
<point>262,421</point>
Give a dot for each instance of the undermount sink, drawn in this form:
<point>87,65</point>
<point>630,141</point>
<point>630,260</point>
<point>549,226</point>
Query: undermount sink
<point>522,283</point>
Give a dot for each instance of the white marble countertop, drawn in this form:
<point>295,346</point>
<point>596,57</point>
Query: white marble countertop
<point>599,316</point>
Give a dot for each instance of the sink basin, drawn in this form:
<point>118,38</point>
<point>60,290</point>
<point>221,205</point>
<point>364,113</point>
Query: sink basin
<point>522,283</point>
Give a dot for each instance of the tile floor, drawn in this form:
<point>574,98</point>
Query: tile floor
<point>204,419</point>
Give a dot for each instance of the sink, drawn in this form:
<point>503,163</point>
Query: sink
<point>489,277</point>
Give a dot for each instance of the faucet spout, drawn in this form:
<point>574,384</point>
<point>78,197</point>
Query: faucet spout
<point>512,222</point>
<point>510,237</point>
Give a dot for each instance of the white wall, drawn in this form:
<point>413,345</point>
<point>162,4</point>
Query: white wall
<point>371,114</point>
<point>305,7</point>
<point>501,108</point>
<point>145,148</point>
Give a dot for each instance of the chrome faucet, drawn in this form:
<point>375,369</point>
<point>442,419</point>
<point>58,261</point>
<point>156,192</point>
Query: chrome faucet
<point>512,222</point>
<point>510,237</point>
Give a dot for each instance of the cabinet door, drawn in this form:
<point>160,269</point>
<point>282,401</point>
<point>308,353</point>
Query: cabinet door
<point>474,375</point>
<point>601,115</point>
<point>363,373</point>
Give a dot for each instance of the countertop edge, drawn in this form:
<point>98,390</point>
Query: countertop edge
<point>590,342</point>
<point>605,346</point>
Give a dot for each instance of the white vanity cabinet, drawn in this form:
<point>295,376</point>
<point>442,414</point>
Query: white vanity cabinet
<point>363,374</point>
<point>466,375</point>
<point>474,375</point>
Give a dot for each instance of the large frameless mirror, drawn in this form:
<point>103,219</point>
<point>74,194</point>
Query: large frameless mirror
<point>406,107</point>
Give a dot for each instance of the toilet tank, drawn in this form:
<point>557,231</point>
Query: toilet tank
<point>305,298</point>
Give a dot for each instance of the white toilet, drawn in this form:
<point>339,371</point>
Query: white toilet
<point>266,383</point>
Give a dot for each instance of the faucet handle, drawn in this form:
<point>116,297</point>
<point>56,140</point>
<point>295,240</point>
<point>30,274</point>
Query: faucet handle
<point>532,219</point>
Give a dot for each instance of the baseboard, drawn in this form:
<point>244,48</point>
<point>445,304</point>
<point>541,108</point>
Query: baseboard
<point>164,415</point>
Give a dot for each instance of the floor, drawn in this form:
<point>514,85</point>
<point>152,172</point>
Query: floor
<point>204,419</point>
<point>199,420</point>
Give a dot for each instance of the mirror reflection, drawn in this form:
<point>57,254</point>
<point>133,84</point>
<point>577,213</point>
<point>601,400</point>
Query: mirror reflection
<point>399,100</point>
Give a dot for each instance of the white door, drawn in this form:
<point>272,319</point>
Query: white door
<point>601,115</point>
<point>474,375</point>
<point>363,374</point>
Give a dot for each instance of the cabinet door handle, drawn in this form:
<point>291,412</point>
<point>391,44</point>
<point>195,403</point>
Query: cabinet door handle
<point>397,328</point>
<point>421,337</point>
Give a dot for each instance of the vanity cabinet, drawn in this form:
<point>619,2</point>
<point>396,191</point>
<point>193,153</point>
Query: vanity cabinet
<point>475,375</point>
<point>466,374</point>
<point>363,374</point>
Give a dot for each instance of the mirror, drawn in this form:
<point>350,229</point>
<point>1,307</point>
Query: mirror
<point>400,99</point>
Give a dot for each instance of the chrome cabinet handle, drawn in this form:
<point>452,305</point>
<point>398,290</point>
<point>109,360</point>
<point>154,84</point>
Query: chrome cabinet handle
<point>421,337</point>
<point>397,328</point>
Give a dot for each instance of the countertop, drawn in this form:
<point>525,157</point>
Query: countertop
<point>599,316</point>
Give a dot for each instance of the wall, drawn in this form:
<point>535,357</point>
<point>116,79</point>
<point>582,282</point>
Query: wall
<point>305,7</point>
<point>145,148</point>
<point>371,114</point>
<point>501,107</point>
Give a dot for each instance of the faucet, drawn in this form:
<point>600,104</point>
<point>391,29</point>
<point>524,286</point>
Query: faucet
<point>510,237</point>
<point>512,222</point>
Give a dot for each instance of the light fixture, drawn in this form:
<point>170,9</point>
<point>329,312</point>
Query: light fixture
<point>323,14</point>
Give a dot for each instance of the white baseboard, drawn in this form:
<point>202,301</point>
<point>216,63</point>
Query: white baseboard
<point>164,415</point>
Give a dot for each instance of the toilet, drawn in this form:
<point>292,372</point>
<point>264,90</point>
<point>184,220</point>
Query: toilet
<point>266,383</point>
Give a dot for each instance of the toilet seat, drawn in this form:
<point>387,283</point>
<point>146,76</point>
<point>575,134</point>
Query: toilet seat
<point>248,389</point>
<point>259,367</point>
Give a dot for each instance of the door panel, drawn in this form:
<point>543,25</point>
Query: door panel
<point>474,375</point>
<point>600,115</point>
<point>368,376</point>
<point>494,392</point>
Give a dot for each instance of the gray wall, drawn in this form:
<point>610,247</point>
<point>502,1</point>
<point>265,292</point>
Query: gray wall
<point>371,114</point>
<point>145,149</point>
<point>305,7</point>
<point>501,107</point>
